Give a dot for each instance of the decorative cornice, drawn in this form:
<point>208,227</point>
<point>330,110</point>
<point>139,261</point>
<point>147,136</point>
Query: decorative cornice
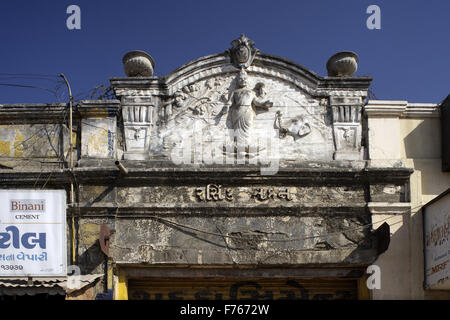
<point>385,108</point>
<point>58,112</point>
<point>264,64</point>
<point>390,208</point>
<point>422,110</point>
<point>135,82</point>
<point>98,108</point>
<point>404,109</point>
<point>143,210</point>
<point>165,172</point>
<point>31,113</point>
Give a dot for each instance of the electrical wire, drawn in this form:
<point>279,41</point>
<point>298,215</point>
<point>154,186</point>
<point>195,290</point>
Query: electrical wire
<point>25,86</point>
<point>53,79</point>
<point>49,134</point>
<point>37,179</point>
<point>30,75</point>
<point>97,93</point>
<point>283,240</point>
<point>49,176</point>
<point>37,135</point>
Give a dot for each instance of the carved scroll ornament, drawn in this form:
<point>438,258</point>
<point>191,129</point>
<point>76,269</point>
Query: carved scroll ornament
<point>242,52</point>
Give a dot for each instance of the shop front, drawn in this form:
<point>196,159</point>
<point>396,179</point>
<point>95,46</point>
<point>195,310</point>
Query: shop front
<point>241,284</point>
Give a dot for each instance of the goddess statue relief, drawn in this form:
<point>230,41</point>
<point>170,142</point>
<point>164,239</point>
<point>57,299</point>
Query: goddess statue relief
<point>244,102</point>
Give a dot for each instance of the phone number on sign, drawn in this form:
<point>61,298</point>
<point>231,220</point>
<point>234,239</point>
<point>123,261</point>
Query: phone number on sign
<point>11,267</point>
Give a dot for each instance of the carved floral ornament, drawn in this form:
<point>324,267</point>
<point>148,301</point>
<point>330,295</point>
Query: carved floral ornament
<point>242,52</point>
<point>204,99</point>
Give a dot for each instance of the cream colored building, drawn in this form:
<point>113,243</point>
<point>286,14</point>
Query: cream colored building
<point>406,134</point>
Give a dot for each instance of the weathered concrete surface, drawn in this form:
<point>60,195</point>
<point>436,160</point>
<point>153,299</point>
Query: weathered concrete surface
<point>388,193</point>
<point>247,220</point>
<point>241,241</point>
<point>99,128</point>
<point>171,216</point>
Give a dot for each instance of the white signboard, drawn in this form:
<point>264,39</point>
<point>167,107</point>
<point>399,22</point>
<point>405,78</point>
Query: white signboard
<point>33,233</point>
<point>437,244</point>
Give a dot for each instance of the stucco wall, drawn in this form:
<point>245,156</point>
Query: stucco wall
<point>410,133</point>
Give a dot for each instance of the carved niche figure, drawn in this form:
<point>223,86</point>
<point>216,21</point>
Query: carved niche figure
<point>244,102</point>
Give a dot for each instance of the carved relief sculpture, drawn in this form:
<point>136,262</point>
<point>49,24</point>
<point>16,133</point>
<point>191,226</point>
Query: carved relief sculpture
<point>346,115</point>
<point>297,127</point>
<point>243,103</point>
<point>242,52</point>
<point>137,125</point>
<point>194,114</point>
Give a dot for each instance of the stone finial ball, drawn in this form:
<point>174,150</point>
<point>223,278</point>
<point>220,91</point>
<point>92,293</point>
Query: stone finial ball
<point>342,64</point>
<point>138,64</point>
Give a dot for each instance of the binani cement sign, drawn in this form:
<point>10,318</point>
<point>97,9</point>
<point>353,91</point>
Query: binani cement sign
<point>33,233</point>
<point>437,245</point>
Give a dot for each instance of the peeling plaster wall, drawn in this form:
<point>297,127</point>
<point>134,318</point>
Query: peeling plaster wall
<point>155,242</point>
<point>170,222</point>
<point>32,143</point>
<point>98,138</point>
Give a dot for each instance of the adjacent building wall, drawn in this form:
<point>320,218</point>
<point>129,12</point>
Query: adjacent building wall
<point>408,134</point>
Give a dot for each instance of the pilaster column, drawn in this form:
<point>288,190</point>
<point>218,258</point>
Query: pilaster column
<point>346,117</point>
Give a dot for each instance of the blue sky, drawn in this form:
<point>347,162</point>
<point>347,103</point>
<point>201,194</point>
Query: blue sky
<point>408,58</point>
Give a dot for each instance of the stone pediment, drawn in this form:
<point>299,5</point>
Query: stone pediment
<point>284,111</point>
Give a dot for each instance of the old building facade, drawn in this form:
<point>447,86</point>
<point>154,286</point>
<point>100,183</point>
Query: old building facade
<point>238,175</point>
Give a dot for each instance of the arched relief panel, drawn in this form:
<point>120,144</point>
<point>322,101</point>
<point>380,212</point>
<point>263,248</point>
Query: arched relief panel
<point>297,126</point>
<point>218,65</point>
<point>195,109</point>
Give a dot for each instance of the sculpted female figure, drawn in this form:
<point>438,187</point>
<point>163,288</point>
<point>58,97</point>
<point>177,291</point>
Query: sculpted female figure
<point>244,102</point>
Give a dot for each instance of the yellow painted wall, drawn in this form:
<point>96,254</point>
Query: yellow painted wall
<point>416,142</point>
